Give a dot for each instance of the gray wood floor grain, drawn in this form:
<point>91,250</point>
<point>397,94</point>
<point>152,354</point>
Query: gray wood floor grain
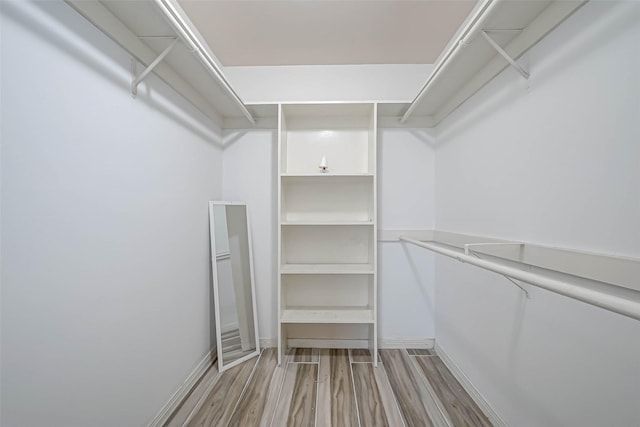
<point>250,408</point>
<point>222,400</point>
<point>360,355</point>
<point>462,410</point>
<point>304,355</point>
<point>406,387</point>
<point>343,399</point>
<point>370,408</point>
<point>302,411</point>
<point>335,388</point>
<point>420,352</point>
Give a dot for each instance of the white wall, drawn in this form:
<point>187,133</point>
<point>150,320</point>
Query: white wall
<point>406,193</point>
<point>249,175</point>
<point>105,243</point>
<point>554,161</point>
<point>317,83</point>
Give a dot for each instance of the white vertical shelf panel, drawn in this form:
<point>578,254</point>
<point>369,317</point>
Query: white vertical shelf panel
<point>327,224</point>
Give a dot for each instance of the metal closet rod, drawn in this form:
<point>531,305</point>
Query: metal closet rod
<point>473,27</point>
<point>617,304</point>
<point>184,30</point>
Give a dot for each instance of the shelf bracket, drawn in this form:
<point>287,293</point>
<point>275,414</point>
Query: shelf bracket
<point>135,80</point>
<point>467,251</point>
<point>505,55</point>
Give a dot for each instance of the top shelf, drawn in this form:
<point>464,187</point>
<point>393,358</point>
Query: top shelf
<point>342,135</point>
<point>469,61</point>
<point>325,175</point>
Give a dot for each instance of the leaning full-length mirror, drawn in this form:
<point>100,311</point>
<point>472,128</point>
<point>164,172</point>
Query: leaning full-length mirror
<point>233,288</point>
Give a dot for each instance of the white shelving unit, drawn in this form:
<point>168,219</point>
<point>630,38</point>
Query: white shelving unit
<point>327,284</point>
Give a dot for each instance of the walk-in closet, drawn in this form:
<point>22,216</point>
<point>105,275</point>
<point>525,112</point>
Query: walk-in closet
<point>314,213</point>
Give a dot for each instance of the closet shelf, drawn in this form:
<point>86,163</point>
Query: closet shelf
<point>603,295</point>
<point>327,269</point>
<point>320,222</point>
<point>325,175</point>
<point>191,68</point>
<point>331,314</point>
<point>470,61</point>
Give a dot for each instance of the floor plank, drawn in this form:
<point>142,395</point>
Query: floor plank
<point>343,399</point>
<point>336,397</point>
<point>462,410</point>
<point>304,355</point>
<point>323,418</point>
<point>302,411</point>
<point>250,408</point>
<point>192,403</point>
<point>389,401</point>
<point>277,381</point>
<point>420,352</point>
<point>370,408</point>
<point>360,355</point>
<point>406,387</point>
<point>222,400</point>
<point>297,401</point>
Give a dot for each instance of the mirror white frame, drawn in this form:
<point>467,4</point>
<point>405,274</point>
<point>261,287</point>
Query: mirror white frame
<point>215,252</point>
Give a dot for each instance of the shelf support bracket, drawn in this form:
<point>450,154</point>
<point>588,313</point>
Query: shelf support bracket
<point>468,251</point>
<point>522,288</point>
<point>505,55</point>
<point>135,81</point>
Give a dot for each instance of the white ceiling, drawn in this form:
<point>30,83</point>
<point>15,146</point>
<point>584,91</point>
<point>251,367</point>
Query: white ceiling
<point>326,32</point>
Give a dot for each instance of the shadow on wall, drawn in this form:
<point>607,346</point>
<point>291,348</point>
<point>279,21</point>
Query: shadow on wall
<point>506,379</point>
<point>416,275</point>
<point>605,22</point>
<point>428,136</point>
<point>60,26</point>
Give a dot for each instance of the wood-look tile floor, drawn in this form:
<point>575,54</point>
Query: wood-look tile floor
<point>334,387</point>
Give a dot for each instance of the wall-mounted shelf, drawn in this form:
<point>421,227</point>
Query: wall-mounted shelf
<point>145,32</point>
<point>327,315</point>
<point>364,268</point>
<point>601,295</point>
<point>470,61</point>
<point>145,29</point>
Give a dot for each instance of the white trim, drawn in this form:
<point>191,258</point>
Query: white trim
<point>394,343</point>
<point>318,343</point>
<point>183,391</point>
<point>387,343</point>
<point>471,389</point>
<point>223,255</point>
<point>268,342</point>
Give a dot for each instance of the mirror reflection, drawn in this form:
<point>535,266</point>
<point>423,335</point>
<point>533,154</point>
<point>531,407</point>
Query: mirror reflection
<point>232,268</point>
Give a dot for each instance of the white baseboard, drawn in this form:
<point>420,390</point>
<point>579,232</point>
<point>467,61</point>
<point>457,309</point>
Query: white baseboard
<point>268,342</point>
<point>183,391</point>
<point>382,343</point>
<point>318,343</point>
<point>470,388</point>
<point>405,343</point>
